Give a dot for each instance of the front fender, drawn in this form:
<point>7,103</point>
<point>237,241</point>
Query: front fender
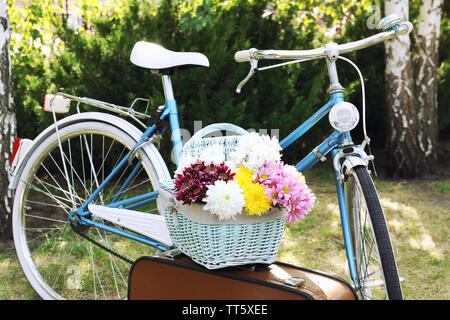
<point>352,157</point>
<point>353,161</point>
<point>135,133</point>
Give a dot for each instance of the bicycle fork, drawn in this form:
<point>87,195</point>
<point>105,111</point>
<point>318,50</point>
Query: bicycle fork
<point>354,156</point>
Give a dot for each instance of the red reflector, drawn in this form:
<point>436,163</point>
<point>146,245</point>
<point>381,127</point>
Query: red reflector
<point>15,148</point>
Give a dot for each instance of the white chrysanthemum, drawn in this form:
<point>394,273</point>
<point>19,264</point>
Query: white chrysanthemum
<point>213,153</point>
<point>253,149</point>
<point>225,199</point>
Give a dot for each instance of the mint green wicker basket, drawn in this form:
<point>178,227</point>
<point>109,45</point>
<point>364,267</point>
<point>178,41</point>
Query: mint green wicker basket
<point>221,244</point>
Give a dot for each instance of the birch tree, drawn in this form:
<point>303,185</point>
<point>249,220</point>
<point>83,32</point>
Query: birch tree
<point>411,88</point>
<point>7,122</point>
<point>426,61</point>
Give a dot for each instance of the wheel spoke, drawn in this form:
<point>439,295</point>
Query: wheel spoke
<point>62,263</point>
<point>364,207</point>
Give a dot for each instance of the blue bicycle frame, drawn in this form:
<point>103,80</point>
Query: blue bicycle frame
<point>170,112</point>
<point>330,144</point>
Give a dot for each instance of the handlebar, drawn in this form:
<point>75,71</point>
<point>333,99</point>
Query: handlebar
<point>247,55</point>
<point>243,55</point>
<point>392,26</point>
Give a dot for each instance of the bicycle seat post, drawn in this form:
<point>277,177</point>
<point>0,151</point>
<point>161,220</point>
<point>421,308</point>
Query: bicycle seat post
<point>170,107</point>
<point>332,55</point>
<point>167,86</point>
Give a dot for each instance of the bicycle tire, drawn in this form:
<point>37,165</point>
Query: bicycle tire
<point>58,262</point>
<point>373,252</point>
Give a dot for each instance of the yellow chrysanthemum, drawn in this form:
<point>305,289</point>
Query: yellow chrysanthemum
<point>243,175</point>
<point>256,201</point>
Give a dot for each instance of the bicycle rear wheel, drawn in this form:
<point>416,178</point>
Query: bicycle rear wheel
<point>377,274</point>
<point>57,261</point>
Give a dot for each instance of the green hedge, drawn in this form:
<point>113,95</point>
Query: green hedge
<point>95,63</point>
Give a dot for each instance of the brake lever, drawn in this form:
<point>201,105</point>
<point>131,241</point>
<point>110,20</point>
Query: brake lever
<point>253,69</point>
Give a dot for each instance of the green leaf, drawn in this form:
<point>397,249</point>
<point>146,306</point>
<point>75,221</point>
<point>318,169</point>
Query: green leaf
<point>35,34</point>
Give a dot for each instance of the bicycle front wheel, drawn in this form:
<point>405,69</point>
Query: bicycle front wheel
<point>376,268</point>
<point>62,172</point>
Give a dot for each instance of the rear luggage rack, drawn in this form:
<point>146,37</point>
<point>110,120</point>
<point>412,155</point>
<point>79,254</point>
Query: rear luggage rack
<point>125,111</point>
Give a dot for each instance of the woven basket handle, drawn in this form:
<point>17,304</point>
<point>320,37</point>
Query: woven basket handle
<point>215,127</point>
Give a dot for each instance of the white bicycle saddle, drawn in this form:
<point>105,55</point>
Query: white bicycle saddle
<point>155,57</point>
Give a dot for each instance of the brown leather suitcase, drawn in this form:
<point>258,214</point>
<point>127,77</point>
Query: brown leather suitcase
<point>179,278</point>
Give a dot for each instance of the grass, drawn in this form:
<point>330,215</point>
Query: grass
<point>417,212</point>
<point>13,284</point>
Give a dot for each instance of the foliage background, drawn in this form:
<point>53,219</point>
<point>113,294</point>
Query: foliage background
<point>92,60</point>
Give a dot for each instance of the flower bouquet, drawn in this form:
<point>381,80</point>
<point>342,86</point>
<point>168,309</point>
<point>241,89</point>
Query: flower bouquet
<point>252,181</point>
<point>233,202</point>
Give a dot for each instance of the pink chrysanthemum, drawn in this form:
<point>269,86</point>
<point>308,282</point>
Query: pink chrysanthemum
<point>269,172</point>
<point>287,188</point>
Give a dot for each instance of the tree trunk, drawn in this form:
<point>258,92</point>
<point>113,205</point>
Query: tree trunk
<point>7,122</point>
<point>402,148</point>
<point>426,61</point>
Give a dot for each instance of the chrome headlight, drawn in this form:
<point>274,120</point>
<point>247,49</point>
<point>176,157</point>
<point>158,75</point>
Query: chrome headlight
<point>343,116</point>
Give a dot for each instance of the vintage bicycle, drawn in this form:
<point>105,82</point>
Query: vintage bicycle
<point>86,190</point>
